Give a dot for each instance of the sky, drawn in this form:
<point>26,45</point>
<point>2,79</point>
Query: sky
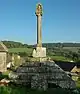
<point>60,21</point>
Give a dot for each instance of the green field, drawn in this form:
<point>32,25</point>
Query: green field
<point>29,51</point>
<point>60,58</point>
<point>16,50</point>
<point>51,54</point>
<point>73,49</point>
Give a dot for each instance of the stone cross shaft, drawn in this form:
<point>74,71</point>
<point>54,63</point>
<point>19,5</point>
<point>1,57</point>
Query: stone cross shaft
<point>40,51</point>
<point>39,25</point>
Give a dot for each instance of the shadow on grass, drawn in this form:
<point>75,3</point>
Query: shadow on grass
<point>2,76</point>
<point>23,90</point>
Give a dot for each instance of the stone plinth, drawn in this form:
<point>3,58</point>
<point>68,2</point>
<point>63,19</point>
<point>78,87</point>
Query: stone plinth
<point>39,52</point>
<point>42,75</point>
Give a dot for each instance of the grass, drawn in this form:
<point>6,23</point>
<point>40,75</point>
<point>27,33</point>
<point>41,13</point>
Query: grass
<point>24,90</point>
<point>60,58</point>
<point>73,49</point>
<point>78,84</point>
<point>16,50</point>
<point>6,73</point>
<point>30,50</point>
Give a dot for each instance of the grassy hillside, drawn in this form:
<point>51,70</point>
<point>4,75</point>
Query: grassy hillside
<point>13,44</point>
<point>16,50</point>
<point>59,51</point>
<point>61,58</point>
<point>73,49</point>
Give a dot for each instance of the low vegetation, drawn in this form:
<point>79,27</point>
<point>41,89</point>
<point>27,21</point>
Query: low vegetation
<point>57,51</point>
<point>24,90</point>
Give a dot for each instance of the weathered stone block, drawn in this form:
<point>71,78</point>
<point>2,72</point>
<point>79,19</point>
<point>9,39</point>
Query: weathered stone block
<point>41,74</point>
<point>39,52</point>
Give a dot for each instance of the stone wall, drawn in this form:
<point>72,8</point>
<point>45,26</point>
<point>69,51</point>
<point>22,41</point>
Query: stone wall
<point>3,59</point>
<point>41,74</point>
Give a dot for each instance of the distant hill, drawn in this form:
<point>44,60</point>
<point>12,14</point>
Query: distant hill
<point>50,45</point>
<point>13,44</point>
<point>18,48</point>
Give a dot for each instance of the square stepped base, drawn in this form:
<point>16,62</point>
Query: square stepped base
<point>39,52</point>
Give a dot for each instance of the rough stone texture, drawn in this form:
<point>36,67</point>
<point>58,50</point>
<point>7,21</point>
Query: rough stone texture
<point>39,52</point>
<point>3,57</point>
<point>3,48</point>
<point>41,75</point>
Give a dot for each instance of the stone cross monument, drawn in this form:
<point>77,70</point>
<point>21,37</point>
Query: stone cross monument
<point>40,51</point>
<point>39,20</point>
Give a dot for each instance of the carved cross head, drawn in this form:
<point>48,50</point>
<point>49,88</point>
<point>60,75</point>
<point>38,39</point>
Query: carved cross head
<point>39,10</point>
